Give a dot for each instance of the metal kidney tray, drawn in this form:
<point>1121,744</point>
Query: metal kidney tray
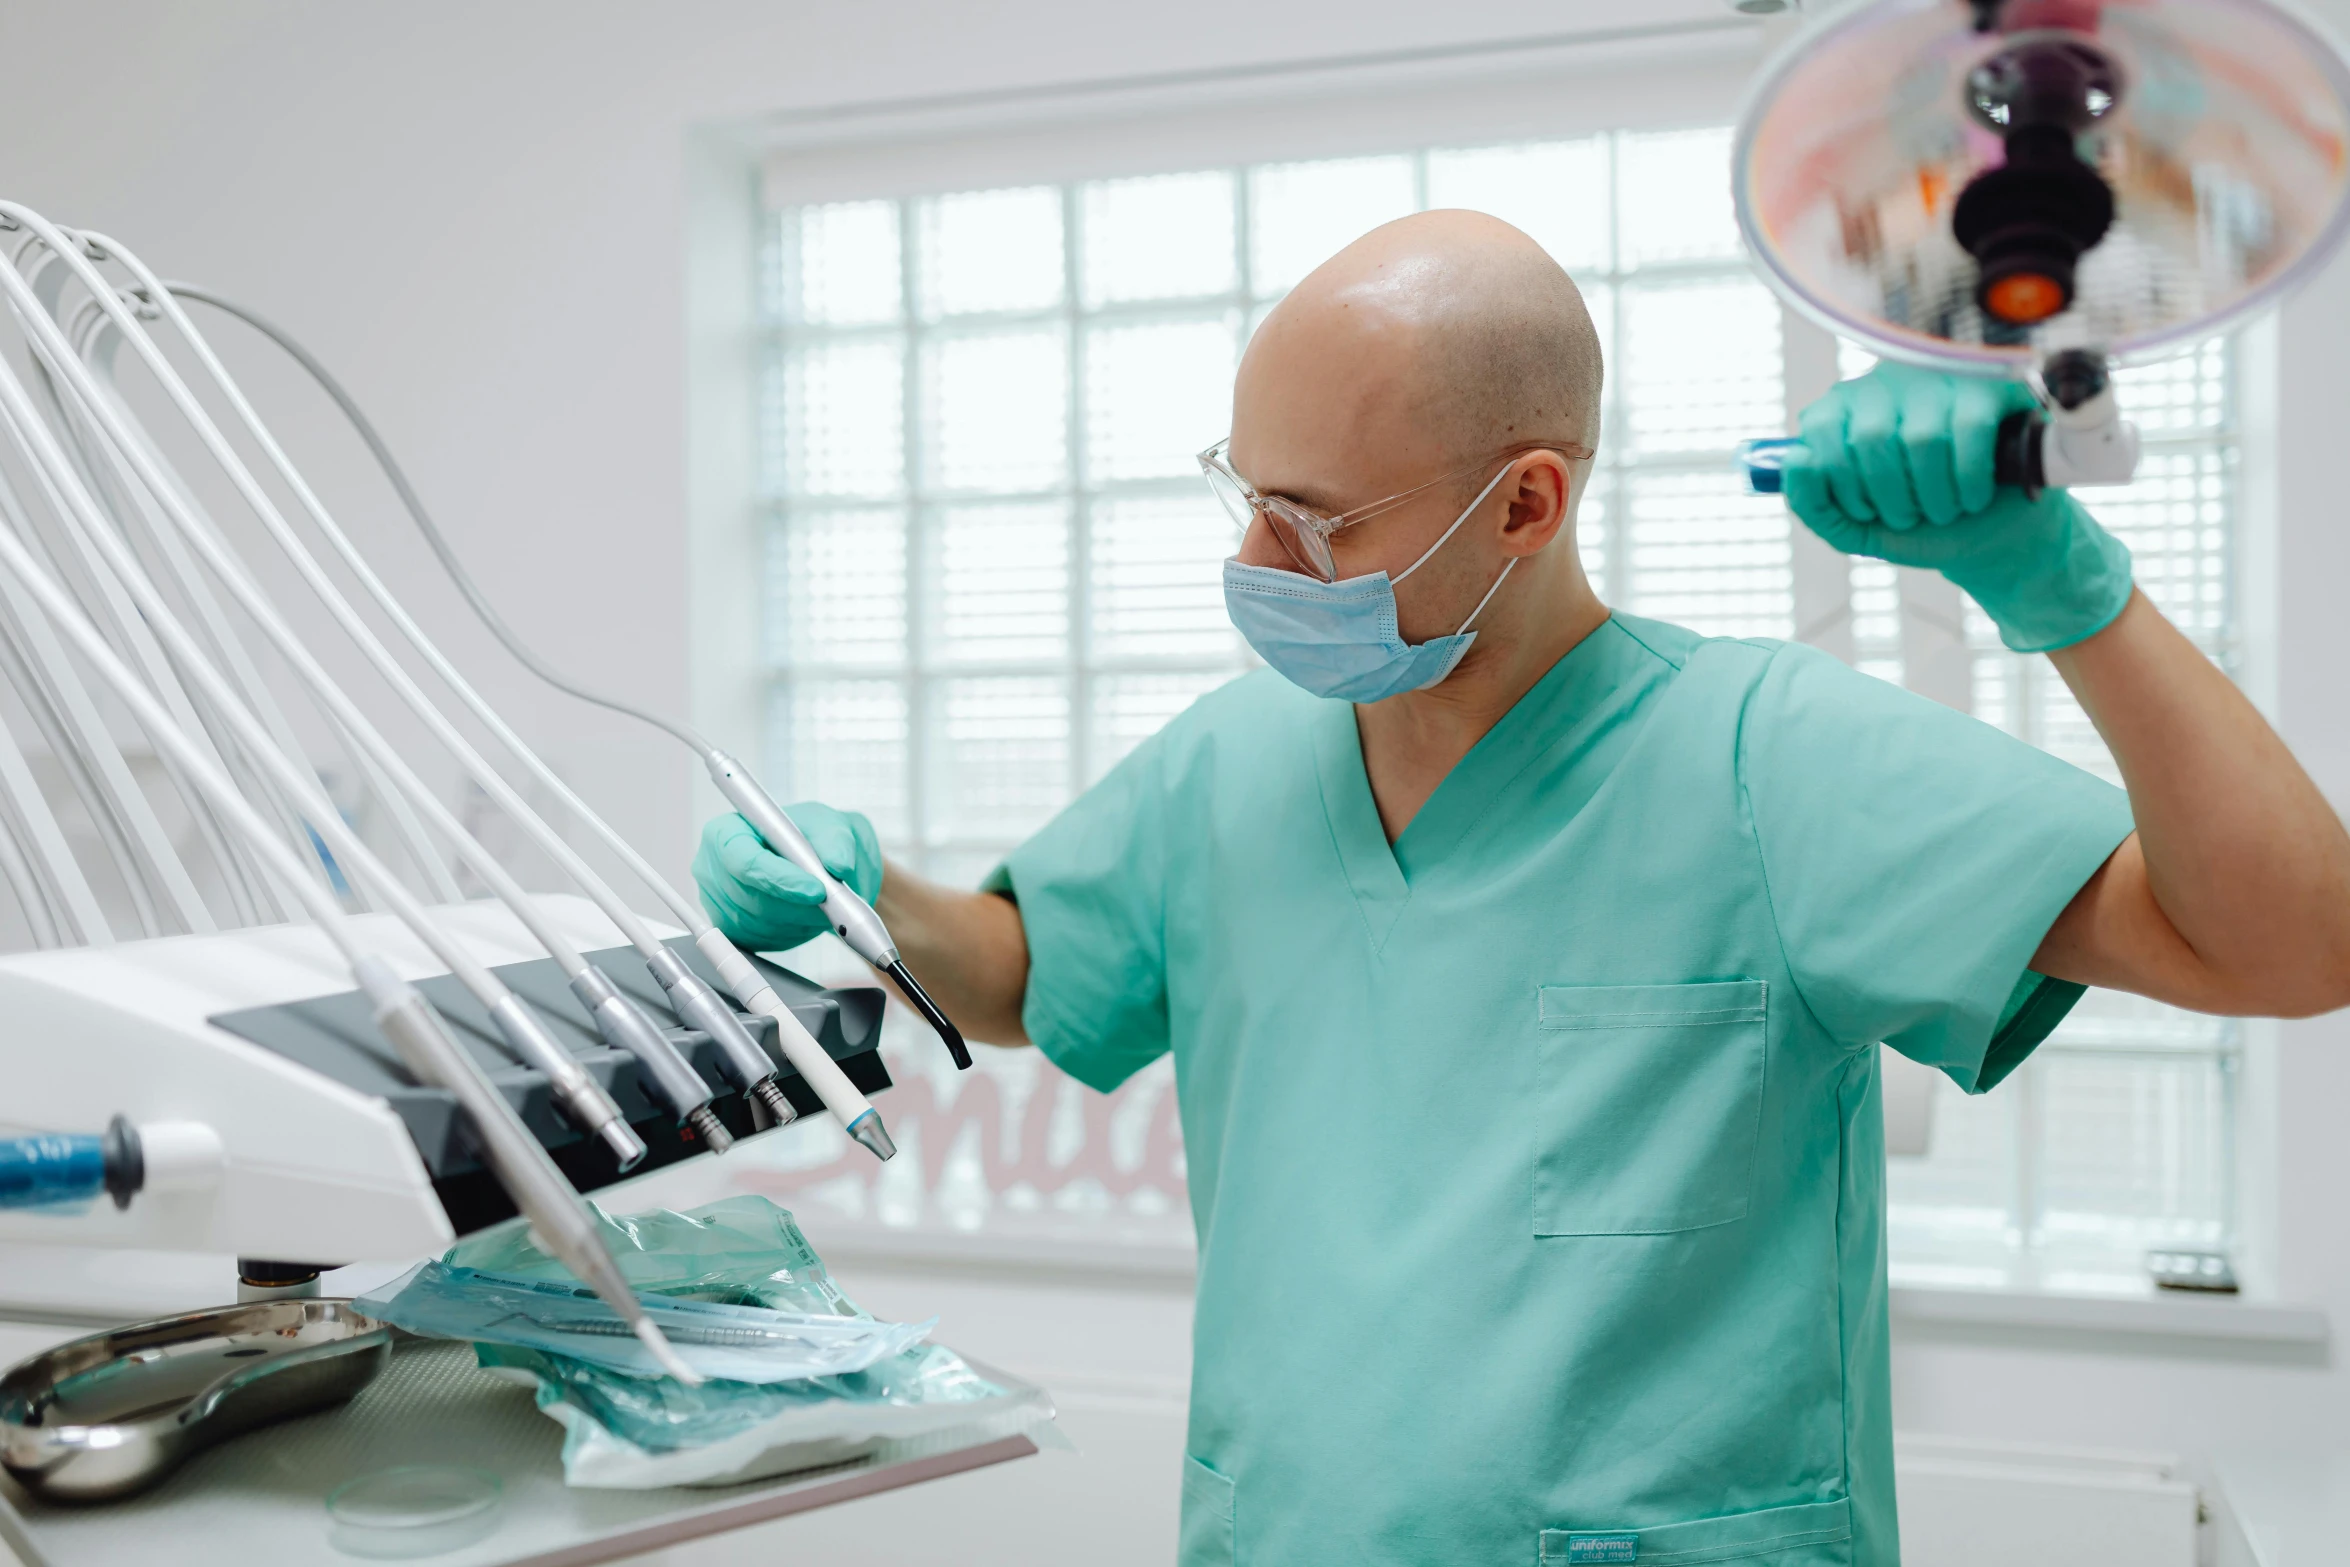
<point>113,1413</point>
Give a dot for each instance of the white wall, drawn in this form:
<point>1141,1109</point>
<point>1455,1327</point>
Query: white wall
<point>476,214</point>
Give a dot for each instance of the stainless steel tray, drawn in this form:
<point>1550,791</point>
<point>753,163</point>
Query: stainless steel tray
<point>113,1413</point>
<point>262,1498</point>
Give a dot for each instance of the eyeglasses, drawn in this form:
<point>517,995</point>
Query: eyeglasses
<point>1304,532</point>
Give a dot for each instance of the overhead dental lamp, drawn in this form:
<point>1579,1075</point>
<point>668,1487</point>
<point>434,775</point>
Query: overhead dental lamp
<point>2043,189</point>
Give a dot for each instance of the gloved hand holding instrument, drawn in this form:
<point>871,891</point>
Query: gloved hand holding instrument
<point>1901,465</point>
<point>765,902</point>
<point>773,879</point>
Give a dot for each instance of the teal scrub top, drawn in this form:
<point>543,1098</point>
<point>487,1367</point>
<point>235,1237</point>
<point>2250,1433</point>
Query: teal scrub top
<point>1537,1161</point>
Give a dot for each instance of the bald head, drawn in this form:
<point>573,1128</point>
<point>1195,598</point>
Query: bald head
<point>1424,345</point>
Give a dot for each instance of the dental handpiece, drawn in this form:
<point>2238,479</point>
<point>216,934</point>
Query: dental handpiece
<point>559,1221</point>
<point>852,918</point>
<point>816,1067</point>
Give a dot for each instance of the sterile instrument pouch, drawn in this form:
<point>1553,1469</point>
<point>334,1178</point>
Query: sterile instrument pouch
<point>740,1251</point>
<point>640,1433</point>
<point>624,1431</point>
<point>736,1343</point>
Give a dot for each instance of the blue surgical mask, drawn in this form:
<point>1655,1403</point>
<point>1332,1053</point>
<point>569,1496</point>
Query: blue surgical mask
<point>1339,639</point>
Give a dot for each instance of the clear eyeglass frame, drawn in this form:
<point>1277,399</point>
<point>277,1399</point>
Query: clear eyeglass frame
<point>1306,533</point>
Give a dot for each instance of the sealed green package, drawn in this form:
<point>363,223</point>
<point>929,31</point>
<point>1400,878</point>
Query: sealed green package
<point>631,1432</point>
<point>740,1251</point>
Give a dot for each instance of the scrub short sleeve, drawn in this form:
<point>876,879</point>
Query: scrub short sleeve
<point>1091,888</point>
<point>1915,859</point>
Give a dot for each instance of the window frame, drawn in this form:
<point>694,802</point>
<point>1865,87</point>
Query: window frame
<point>925,672</point>
<point>2251,518</point>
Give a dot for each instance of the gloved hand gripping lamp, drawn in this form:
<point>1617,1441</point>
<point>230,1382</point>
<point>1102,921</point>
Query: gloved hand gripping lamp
<point>2041,189</point>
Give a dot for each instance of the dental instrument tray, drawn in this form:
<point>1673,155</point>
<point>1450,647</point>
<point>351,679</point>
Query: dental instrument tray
<point>268,1496</point>
<point>108,1415</point>
<point>336,1036</point>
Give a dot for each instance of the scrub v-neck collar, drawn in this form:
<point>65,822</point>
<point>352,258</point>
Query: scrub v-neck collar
<point>1551,713</point>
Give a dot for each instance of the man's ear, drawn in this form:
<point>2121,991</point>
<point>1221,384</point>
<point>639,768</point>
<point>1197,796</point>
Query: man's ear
<point>1539,492</point>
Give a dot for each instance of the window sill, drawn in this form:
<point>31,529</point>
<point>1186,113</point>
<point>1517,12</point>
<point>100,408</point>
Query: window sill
<point>2152,1315</point>
<point>1065,1256</point>
<point>2021,1311</point>
<point>70,1285</point>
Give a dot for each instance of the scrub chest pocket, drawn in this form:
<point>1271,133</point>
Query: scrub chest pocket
<point>1647,1102</point>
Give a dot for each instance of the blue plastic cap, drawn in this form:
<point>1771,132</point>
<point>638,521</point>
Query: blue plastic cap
<point>1763,460</point>
<point>49,1168</point>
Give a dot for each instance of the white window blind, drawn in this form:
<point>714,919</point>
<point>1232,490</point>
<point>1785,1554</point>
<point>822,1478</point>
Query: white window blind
<point>993,565</point>
<point>993,569</point>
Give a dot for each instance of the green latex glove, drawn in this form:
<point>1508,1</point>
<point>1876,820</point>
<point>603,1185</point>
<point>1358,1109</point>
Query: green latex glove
<point>765,903</point>
<point>1897,465</point>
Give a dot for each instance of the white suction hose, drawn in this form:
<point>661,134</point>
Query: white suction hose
<point>847,1104</point>
<point>515,1157</point>
<point>666,1072</point>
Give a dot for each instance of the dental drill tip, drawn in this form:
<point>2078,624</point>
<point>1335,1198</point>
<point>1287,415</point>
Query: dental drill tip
<point>947,1032</point>
<point>665,1353</point>
<point>626,1146</point>
<point>868,1130</point>
<point>770,1093</point>
<point>709,1128</point>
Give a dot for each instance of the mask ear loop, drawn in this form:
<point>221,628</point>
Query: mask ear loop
<point>1456,527</point>
<point>1488,598</point>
